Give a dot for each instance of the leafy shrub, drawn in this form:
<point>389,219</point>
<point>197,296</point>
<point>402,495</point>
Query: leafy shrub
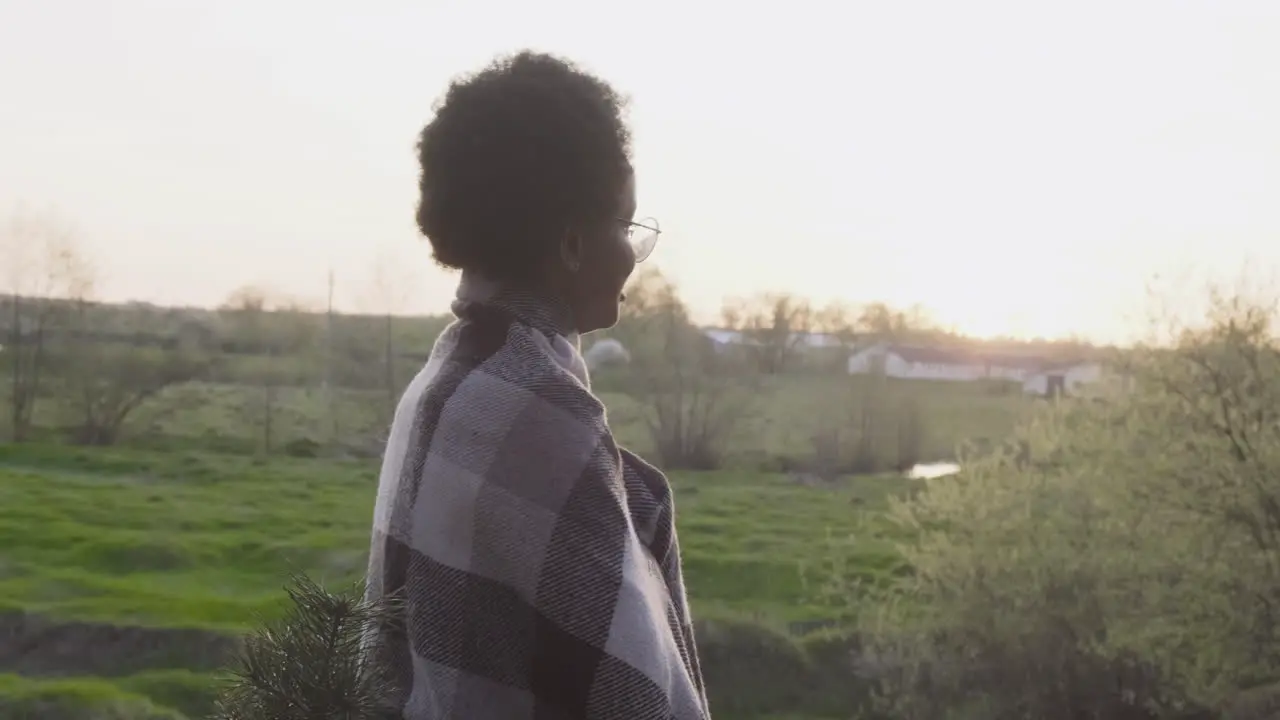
<point>753,671</point>
<point>1124,562</point>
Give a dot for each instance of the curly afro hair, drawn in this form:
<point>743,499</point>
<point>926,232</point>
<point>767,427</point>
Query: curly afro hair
<point>516,155</point>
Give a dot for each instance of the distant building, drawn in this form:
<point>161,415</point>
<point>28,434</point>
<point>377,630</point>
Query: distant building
<point>1038,375</point>
<point>723,339</point>
<point>1062,379</point>
<point>934,363</point>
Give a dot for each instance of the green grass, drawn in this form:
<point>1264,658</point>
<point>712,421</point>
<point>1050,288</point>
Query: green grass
<point>173,539</point>
<point>203,540</point>
<point>159,695</point>
<point>166,533</point>
<point>787,410</point>
<point>762,545</point>
<point>776,429</point>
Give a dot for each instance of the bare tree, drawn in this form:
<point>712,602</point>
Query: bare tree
<point>883,322</point>
<point>103,379</point>
<point>45,269</point>
<point>774,327</point>
<point>691,399</point>
<point>108,383</point>
<point>840,321</point>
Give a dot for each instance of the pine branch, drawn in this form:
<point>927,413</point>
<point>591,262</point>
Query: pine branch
<point>311,665</point>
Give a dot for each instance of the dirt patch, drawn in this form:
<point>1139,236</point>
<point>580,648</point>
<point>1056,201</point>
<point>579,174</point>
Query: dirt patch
<point>38,646</point>
<point>60,710</point>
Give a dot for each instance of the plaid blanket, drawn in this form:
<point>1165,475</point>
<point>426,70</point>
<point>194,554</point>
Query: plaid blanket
<point>537,561</point>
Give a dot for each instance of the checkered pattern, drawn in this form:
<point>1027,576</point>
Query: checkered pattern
<point>538,561</point>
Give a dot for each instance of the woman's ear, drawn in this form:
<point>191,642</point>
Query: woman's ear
<point>571,251</point>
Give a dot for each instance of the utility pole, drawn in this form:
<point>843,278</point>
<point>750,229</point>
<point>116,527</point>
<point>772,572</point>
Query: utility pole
<point>391,363</point>
<point>328,361</point>
<point>328,337</point>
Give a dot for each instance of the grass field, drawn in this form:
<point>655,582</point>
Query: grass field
<point>776,429</point>
<point>165,533</point>
<point>786,411</point>
<point>202,540</point>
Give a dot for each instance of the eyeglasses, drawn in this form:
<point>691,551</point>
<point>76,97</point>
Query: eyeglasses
<point>643,236</point>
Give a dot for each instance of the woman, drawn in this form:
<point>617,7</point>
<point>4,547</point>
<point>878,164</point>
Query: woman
<point>536,562</point>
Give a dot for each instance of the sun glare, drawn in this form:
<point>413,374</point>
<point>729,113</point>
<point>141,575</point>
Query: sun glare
<point>1007,311</point>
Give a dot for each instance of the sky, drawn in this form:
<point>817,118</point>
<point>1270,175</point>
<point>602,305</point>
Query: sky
<point>1015,167</point>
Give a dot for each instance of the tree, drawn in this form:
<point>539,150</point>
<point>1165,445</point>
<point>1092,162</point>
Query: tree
<point>862,426</point>
<point>838,320</point>
<point>106,383</point>
<point>774,327</point>
<point>45,269</point>
<point>888,324</point>
<point>691,398</point>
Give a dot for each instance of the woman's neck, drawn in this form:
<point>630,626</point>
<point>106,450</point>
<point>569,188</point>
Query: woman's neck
<point>537,307</point>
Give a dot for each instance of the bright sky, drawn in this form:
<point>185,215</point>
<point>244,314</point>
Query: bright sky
<point>1015,167</point>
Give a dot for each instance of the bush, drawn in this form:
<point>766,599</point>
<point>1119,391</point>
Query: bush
<point>753,671</point>
<point>1125,562</point>
<point>867,429</point>
<point>302,448</point>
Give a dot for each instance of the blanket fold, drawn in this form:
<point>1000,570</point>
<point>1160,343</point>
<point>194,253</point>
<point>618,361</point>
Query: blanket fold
<point>538,563</point>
